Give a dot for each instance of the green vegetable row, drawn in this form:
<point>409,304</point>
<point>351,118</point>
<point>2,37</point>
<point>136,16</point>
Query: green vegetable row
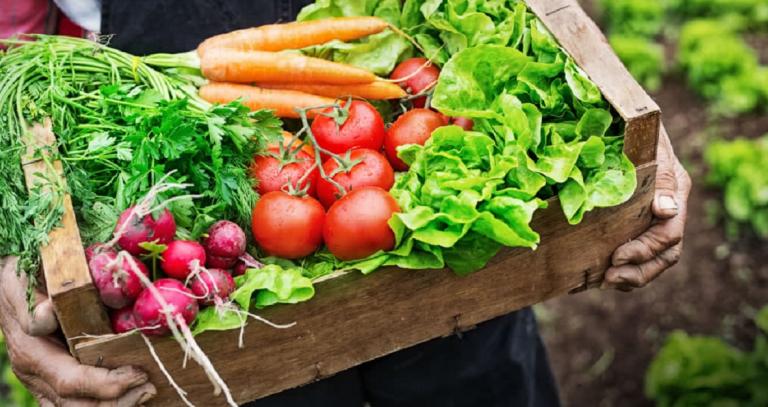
<point>705,371</point>
<point>740,168</point>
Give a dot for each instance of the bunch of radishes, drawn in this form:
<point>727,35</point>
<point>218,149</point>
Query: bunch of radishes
<point>124,282</point>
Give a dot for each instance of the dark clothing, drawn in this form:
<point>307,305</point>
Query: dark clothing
<point>150,26</point>
<point>500,363</point>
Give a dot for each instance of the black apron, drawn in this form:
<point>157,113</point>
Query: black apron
<point>500,363</point>
<point>150,26</point>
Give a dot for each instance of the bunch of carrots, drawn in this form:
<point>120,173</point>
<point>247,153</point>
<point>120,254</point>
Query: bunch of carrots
<point>252,65</point>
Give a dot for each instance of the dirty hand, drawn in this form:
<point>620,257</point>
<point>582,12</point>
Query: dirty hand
<point>43,363</point>
<point>640,261</point>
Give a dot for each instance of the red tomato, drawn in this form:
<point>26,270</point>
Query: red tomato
<point>271,176</point>
<point>288,226</point>
<point>357,226</point>
<point>364,128</point>
<point>373,170</point>
<point>420,74</point>
<point>413,127</point>
<point>464,123</point>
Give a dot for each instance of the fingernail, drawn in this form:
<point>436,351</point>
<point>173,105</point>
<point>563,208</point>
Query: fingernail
<point>667,203</point>
<point>145,398</point>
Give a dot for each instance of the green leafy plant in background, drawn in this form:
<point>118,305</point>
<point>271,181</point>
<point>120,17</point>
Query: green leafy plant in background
<point>751,14</point>
<point>14,394</point>
<point>740,167</point>
<point>644,58</point>
<point>634,27</point>
<point>722,67</point>
<point>641,18</point>
<point>705,371</point>
<point>718,63</point>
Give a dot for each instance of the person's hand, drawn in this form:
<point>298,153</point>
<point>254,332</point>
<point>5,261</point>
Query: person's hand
<point>43,363</point>
<point>640,261</point>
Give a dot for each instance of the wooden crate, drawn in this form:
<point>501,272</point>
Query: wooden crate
<point>355,318</point>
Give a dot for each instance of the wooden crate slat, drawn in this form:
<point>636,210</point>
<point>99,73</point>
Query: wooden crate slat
<point>355,318</point>
<point>68,280</point>
<point>584,41</point>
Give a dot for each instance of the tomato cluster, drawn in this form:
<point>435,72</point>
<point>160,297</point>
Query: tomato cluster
<point>333,187</point>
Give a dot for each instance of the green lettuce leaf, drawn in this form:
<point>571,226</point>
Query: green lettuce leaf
<point>271,285</point>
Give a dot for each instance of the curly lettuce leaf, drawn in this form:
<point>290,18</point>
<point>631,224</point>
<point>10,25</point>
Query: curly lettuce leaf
<point>271,285</point>
<point>378,53</point>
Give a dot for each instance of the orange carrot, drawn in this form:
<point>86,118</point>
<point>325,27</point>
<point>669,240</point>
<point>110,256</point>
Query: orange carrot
<point>283,102</point>
<point>296,35</point>
<point>227,65</point>
<point>378,90</point>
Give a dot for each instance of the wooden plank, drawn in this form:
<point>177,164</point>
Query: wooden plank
<point>68,280</point>
<point>355,318</point>
<point>584,41</point>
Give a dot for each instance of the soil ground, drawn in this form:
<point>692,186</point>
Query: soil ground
<point>601,343</point>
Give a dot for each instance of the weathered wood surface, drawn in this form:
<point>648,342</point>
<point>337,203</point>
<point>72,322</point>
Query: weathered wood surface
<point>584,41</point>
<point>67,278</point>
<point>355,318</point>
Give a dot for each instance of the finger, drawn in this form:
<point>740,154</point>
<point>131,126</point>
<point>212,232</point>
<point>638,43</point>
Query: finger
<point>639,275</point>
<point>41,390</point>
<point>665,203</point>
<point>42,321</point>
<point>134,397</point>
<point>61,375</point>
<point>73,380</point>
<point>137,396</point>
<point>656,240</point>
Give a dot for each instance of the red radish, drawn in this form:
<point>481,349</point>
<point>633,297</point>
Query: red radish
<point>225,239</point>
<point>148,310</point>
<point>178,260</point>
<point>212,284</point>
<point>95,249</point>
<point>217,262</point>
<point>246,262</point>
<point>463,122</point>
<point>116,281</point>
<point>134,231</point>
<point>123,320</point>
<point>416,75</point>
<point>413,127</point>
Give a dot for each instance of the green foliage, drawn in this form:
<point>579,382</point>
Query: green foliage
<point>740,167</point>
<point>641,18</point>
<point>750,14</point>
<point>120,125</point>
<point>542,129</point>
<point>14,394</point>
<point>704,371</point>
<point>722,67</point>
<point>643,58</point>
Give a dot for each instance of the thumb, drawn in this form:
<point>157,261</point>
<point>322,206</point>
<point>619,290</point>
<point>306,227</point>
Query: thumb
<point>665,205</point>
<point>42,320</point>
